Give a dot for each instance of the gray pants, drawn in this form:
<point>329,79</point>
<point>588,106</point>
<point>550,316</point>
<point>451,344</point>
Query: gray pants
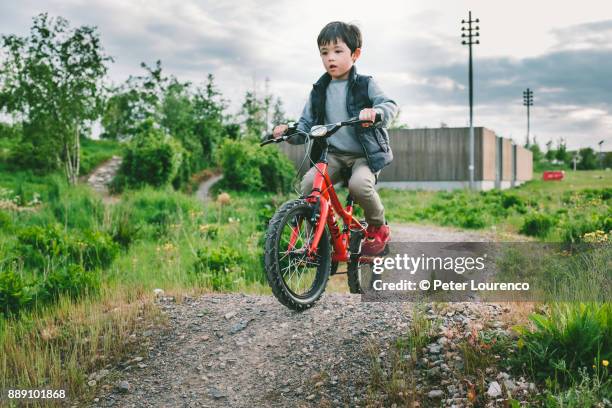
<point>361,184</point>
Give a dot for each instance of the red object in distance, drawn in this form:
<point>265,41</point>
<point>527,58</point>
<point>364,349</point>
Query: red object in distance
<point>553,175</point>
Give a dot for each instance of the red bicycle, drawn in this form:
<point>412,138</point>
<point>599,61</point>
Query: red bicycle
<point>304,243</point>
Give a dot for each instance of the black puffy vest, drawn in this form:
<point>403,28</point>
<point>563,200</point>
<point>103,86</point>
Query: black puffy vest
<point>375,141</point>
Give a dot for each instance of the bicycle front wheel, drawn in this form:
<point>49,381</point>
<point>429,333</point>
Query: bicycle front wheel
<point>297,279</point>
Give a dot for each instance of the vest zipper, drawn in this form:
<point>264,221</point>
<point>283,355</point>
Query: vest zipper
<point>359,132</point>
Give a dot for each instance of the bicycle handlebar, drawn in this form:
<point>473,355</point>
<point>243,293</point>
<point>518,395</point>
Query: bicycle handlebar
<point>335,126</point>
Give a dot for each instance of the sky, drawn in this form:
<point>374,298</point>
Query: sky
<point>560,50</point>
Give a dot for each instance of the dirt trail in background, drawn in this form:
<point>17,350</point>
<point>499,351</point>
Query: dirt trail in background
<point>204,187</point>
<point>103,175</point>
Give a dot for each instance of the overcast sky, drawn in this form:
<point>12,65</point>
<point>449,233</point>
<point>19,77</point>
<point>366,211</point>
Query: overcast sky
<point>561,50</point>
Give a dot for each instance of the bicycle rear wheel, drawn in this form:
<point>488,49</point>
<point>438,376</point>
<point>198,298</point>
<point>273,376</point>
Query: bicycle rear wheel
<point>296,279</point>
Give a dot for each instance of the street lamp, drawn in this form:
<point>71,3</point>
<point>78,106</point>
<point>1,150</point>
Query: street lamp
<point>468,39</point>
<point>527,101</point>
<point>600,154</point>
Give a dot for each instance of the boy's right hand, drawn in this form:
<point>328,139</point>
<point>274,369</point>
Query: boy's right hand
<point>279,130</point>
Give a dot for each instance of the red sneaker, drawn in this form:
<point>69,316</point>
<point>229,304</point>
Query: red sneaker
<point>376,239</point>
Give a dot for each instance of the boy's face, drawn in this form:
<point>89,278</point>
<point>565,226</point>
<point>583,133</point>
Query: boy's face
<point>337,58</point>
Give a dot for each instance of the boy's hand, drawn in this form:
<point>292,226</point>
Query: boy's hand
<point>279,130</point>
<point>367,114</point>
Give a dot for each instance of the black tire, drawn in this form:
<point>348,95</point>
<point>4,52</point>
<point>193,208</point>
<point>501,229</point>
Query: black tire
<point>359,275</point>
<point>289,212</point>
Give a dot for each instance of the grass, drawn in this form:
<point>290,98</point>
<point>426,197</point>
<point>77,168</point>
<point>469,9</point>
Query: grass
<point>394,379</point>
<point>95,152</point>
<point>552,211</point>
<point>56,348</point>
<point>170,240</point>
<point>163,235</point>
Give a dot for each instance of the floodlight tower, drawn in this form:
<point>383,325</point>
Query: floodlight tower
<point>528,102</point>
<point>468,39</point>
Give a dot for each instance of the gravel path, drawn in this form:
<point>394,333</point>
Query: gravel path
<point>103,175</point>
<point>204,187</point>
<point>235,350</point>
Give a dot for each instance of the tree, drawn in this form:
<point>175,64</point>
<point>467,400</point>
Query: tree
<point>588,159</point>
<point>208,108</point>
<point>53,81</point>
<point>253,110</point>
<point>138,99</point>
<point>535,150</point>
<point>561,153</point>
<point>278,115</point>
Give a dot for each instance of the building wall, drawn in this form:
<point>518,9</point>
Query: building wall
<point>506,160</point>
<point>442,155</point>
<point>488,158</point>
<point>524,164</point>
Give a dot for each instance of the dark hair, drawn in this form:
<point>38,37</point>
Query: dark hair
<point>349,33</point>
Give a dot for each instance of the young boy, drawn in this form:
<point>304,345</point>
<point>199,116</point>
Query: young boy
<point>339,95</point>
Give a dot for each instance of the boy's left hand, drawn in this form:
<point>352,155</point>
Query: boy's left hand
<point>367,114</point>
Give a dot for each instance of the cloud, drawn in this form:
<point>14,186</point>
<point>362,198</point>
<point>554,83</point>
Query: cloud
<point>413,50</point>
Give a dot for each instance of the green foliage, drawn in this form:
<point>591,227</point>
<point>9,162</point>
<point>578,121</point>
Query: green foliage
<point>44,248</point>
<point>77,207</point>
<point>213,266</point>
<point>152,158</point>
<point>14,294</point>
<point>254,113</point>
<point>72,281</point>
<point>537,225</point>
<point>569,337</point>
<point>246,167</point>
<point>95,152</point>
<point>53,79</point>
<point>588,159</point>
<point>587,391</point>
<point>149,213</point>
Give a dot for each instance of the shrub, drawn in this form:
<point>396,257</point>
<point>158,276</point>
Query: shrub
<point>14,294</point>
<point>73,281</point>
<point>246,167</point>
<point>152,158</point>
<point>573,230</point>
<point>78,207</point>
<point>537,225</point>
<point>150,213</point>
<point>571,336</point>
<point>43,248</point>
<point>213,266</point>
<point>6,222</point>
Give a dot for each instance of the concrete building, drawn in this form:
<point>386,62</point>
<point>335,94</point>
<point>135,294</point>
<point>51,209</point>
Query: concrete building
<point>438,159</point>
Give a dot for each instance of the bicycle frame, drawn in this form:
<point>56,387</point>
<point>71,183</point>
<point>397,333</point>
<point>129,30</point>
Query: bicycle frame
<point>324,194</point>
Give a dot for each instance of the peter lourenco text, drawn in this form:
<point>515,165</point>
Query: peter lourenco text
<point>459,264</point>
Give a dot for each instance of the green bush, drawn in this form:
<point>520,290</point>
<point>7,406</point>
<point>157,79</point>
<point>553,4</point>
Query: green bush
<point>247,167</point>
<point>152,158</point>
<point>14,294</point>
<point>569,337</point>
<point>213,266</point>
<point>537,225</point>
<point>573,229</point>
<point>149,213</point>
<point>45,248</point>
<point>6,221</point>
<point>78,207</point>
<point>73,281</point>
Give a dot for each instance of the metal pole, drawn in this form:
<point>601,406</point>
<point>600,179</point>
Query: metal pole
<point>471,167</point>
<point>471,32</point>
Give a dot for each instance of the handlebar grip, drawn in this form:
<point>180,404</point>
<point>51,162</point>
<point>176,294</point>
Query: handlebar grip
<point>378,118</point>
<point>270,140</point>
